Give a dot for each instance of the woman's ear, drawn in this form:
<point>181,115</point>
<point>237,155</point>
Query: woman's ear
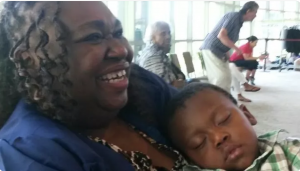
<point>249,116</point>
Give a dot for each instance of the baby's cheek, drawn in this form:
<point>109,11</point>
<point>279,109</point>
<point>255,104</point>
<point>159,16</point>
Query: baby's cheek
<point>207,159</point>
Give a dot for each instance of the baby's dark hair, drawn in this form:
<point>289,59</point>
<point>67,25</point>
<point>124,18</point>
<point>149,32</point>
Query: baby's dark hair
<point>186,93</point>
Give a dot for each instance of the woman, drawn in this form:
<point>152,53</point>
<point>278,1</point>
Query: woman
<point>64,88</point>
<point>246,59</point>
<point>154,56</point>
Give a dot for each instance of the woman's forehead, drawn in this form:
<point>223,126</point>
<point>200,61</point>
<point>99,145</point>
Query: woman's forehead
<point>77,13</point>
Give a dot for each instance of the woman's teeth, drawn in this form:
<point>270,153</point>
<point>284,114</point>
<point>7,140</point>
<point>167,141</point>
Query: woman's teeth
<point>114,76</point>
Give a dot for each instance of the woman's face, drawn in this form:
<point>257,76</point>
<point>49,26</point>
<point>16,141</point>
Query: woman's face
<point>253,44</point>
<point>98,57</point>
<point>162,37</point>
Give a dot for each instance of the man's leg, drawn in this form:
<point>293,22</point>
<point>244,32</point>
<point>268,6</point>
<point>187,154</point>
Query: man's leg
<point>238,79</point>
<point>218,71</point>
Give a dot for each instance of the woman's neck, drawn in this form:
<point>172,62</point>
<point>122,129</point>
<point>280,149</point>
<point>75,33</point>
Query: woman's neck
<point>94,120</point>
<point>110,130</point>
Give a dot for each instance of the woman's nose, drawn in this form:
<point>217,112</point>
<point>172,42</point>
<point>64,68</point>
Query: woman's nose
<point>116,49</point>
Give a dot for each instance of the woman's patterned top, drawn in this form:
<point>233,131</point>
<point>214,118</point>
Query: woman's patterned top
<point>142,162</point>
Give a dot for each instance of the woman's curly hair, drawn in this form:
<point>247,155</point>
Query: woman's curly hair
<point>29,56</point>
<point>25,27</point>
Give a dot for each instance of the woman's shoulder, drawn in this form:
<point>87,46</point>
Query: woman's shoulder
<point>27,121</point>
<point>44,144</point>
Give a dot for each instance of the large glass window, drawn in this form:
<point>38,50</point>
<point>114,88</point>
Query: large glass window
<point>229,2</point>
<point>260,29</point>
<point>276,15</point>
<point>180,19</point>
<point>215,12</point>
<point>245,30</point>
<point>259,26</point>
<point>229,8</point>
<point>276,5</point>
<point>138,10</point>
<point>262,4</point>
<point>198,20</point>
<point>290,15</point>
<point>261,15</point>
<point>275,48</point>
<point>291,5</point>
<point>159,11</point>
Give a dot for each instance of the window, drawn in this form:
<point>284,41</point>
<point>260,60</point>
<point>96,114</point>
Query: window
<point>229,2</point>
<point>180,19</point>
<point>215,13</point>
<point>262,4</point>
<point>290,15</point>
<point>276,15</point>
<point>242,3</point>
<point>179,49</point>
<point>156,9</point>
<point>291,5</point>
<point>274,48</point>
<point>195,48</point>
<point>260,29</point>
<point>274,29</point>
<point>245,30</point>
<point>138,10</point>
<point>198,20</point>
<point>228,8</point>
<point>114,7</point>
<point>276,5</point>
<point>261,15</point>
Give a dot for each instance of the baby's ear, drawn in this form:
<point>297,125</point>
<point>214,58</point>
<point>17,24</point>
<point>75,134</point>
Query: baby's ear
<point>250,117</point>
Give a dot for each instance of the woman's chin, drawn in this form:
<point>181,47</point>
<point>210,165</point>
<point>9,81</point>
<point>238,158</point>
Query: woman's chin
<point>115,103</point>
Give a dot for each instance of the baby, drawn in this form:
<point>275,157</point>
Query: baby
<point>205,123</point>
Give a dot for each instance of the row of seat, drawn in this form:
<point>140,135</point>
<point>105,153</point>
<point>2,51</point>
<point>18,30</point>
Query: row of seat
<point>190,69</point>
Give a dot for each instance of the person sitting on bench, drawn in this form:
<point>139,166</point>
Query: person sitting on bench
<point>246,59</point>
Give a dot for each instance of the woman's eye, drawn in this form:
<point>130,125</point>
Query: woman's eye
<point>95,37</point>
<point>118,34</point>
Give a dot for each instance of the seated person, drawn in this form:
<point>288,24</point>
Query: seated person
<point>246,60</point>
<point>205,123</point>
<point>154,56</point>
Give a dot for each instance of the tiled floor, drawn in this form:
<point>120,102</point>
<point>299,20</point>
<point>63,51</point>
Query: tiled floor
<point>277,105</point>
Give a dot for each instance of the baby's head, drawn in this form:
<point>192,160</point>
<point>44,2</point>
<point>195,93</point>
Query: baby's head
<point>205,123</point>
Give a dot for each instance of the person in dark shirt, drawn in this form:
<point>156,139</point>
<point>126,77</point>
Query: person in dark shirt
<point>222,38</point>
<point>70,98</point>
